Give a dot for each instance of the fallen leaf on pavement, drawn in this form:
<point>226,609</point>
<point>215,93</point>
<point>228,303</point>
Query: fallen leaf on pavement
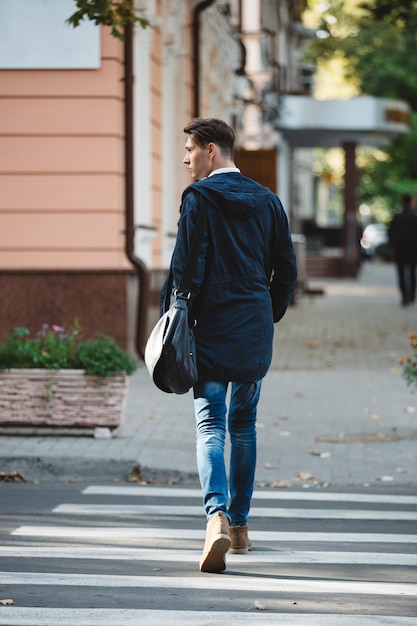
<point>322,455</point>
<point>268,466</point>
<point>135,476</point>
<point>375,416</point>
<point>285,433</point>
<point>10,476</point>
<point>409,409</point>
<point>307,477</point>
<point>304,476</point>
<point>281,483</point>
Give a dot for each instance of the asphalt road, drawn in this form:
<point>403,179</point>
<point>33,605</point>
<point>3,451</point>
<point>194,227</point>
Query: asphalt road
<point>128,554</point>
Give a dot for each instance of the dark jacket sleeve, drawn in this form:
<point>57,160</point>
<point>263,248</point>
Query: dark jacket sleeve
<point>186,227</point>
<point>284,273</point>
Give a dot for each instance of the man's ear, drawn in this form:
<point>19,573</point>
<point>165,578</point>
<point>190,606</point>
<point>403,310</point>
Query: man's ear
<point>212,149</point>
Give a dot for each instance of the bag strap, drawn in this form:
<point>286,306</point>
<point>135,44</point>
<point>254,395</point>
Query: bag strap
<point>184,287</point>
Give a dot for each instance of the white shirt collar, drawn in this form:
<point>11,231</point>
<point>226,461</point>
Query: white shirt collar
<point>224,170</point>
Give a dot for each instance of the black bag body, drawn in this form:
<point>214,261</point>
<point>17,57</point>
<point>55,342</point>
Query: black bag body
<point>170,353</point>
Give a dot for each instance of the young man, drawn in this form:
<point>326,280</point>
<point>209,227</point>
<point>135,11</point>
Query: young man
<point>246,274</point>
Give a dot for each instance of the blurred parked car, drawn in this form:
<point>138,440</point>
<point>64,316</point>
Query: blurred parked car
<point>374,239</point>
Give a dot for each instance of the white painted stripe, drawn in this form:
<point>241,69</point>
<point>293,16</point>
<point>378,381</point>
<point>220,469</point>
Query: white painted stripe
<point>197,511</point>
<point>272,494</point>
<point>212,583</point>
<point>124,533</point>
<point>191,556</point>
<point>34,616</point>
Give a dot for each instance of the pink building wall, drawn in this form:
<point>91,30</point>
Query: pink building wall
<point>62,197</point>
<point>61,166</point>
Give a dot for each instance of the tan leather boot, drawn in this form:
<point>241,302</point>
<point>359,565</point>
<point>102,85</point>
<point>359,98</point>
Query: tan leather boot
<point>240,542</point>
<point>216,545</point>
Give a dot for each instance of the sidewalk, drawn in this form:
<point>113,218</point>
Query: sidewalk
<point>334,408</point>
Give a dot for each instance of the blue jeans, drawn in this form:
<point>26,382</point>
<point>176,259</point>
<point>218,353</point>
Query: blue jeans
<point>210,412</point>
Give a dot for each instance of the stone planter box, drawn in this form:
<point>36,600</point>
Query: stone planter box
<point>39,397</point>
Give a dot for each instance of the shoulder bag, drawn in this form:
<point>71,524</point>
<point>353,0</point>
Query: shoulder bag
<point>170,352</point>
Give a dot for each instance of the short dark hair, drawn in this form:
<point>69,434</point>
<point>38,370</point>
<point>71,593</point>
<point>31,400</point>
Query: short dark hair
<point>207,130</point>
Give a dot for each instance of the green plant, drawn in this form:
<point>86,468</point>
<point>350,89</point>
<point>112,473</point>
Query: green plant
<point>103,356</point>
<point>410,363</point>
<point>114,13</point>
<point>56,348</point>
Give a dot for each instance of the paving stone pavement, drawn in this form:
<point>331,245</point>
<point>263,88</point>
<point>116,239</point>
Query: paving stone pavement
<point>334,409</point>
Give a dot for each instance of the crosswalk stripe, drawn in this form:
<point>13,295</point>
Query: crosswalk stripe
<point>322,583</point>
<point>215,583</point>
<point>193,511</point>
<point>272,494</point>
<point>129,533</point>
<point>192,556</point>
<point>33,616</point>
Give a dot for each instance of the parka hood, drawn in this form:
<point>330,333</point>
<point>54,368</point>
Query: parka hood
<point>233,194</point>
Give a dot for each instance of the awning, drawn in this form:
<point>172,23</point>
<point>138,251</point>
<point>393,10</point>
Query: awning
<point>307,122</point>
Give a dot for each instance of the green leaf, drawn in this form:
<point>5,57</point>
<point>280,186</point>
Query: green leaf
<point>114,13</point>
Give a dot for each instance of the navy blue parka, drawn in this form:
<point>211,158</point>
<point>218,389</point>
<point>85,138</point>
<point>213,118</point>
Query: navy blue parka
<point>245,277</point>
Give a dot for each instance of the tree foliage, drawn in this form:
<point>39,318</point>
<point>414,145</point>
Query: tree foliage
<point>395,175</point>
<point>402,13</point>
<point>114,13</point>
<point>378,40</point>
